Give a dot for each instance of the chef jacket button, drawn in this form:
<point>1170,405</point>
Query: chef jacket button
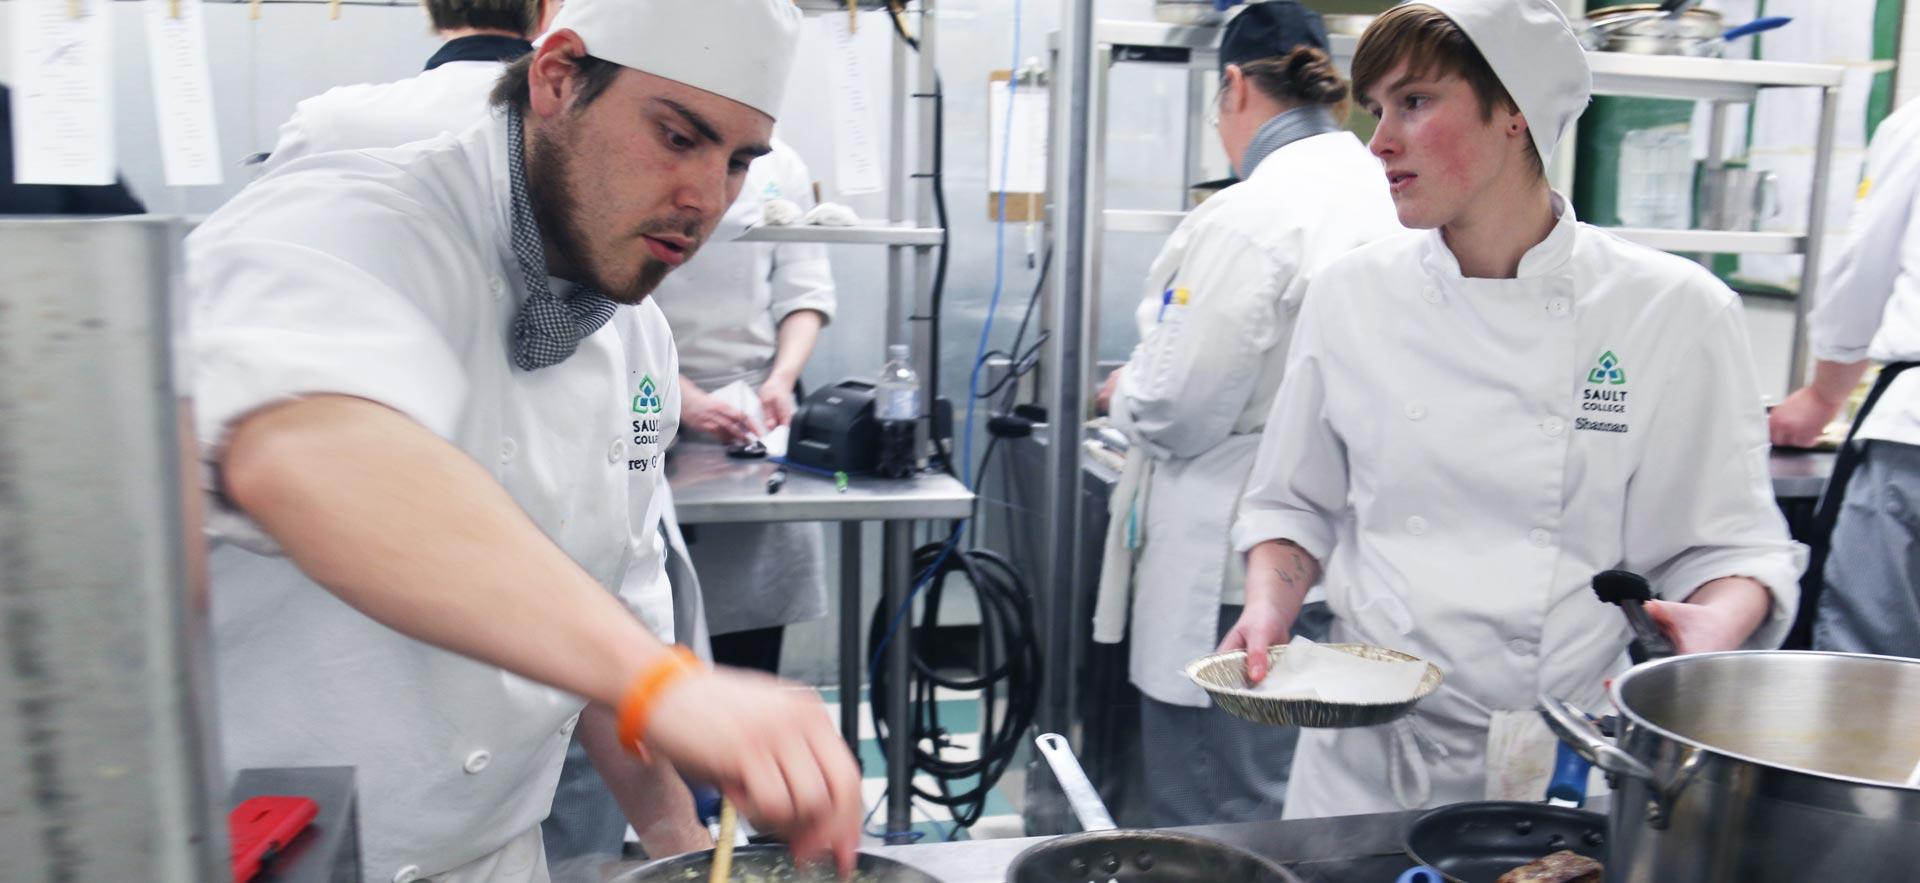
<point>1540,537</point>
<point>1559,306</point>
<point>498,286</point>
<point>617,451</point>
<point>566,729</point>
<point>507,449</point>
<point>1430,295</point>
<point>407,874</point>
<point>1521,647</point>
<point>1416,411</point>
<point>1553,426</point>
<point>1416,525</point>
<point>476,762</point>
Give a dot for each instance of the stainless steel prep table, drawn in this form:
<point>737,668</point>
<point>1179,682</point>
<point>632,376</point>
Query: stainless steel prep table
<point>711,488</point>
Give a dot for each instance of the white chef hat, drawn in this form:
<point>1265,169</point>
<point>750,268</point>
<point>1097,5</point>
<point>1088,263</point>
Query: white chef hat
<point>738,49</point>
<point>1534,52</point>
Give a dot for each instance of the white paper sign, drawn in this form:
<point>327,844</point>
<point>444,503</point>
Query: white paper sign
<point>62,92</point>
<point>1027,147</point>
<point>856,140</point>
<point>183,93</point>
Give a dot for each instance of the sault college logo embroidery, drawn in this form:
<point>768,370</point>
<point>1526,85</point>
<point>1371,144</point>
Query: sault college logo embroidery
<point>647,400</point>
<point>1605,402</point>
<point>1608,371</point>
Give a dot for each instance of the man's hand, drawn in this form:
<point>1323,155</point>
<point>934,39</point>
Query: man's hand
<point>710,416</point>
<point>1799,420</point>
<point>776,400</point>
<point>1103,400</point>
<point>1722,615</point>
<point>771,747</point>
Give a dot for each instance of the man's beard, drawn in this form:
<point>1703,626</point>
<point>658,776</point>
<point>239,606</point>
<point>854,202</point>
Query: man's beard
<point>556,208</point>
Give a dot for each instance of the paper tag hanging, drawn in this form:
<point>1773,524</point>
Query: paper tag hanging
<point>856,142</point>
<point>183,92</point>
<point>63,92</point>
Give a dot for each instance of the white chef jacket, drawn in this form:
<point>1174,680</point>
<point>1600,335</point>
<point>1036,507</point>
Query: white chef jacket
<point>446,99</point>
<point>1869,305</point>
<point>726,304</point>
<point>1465,454</point>
<point>389,275</point>
<point>1197,390</point>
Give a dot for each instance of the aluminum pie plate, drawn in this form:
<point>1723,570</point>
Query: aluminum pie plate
<point>1224,677</point>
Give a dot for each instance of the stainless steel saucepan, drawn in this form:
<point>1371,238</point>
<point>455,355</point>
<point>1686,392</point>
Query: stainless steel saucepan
<point>1759,767</point>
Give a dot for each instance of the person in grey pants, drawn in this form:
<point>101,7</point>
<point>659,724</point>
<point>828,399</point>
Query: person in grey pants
<point>1867,311</point>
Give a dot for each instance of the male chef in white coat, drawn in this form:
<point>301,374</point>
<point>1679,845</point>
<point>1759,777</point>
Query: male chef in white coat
<point>424,434</point>
<point>1482,413</point>
<point>1868,311</point>
<point>482,36</point>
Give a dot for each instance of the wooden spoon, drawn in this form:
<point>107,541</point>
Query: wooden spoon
<point>723,846</point>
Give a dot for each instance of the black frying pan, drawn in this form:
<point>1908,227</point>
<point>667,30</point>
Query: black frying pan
<point>1477,842</point>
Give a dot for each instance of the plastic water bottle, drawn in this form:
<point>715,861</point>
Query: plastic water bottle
<point>897,407</point>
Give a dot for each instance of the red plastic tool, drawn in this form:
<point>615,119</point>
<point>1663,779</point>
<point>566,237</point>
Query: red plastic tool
<point>260,827</point>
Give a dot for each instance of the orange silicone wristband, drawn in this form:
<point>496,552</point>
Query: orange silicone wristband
<point>637,705</point>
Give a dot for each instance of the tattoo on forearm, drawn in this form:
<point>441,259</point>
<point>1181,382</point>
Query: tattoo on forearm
<point>1293,573</point>
<point>1296,569</point>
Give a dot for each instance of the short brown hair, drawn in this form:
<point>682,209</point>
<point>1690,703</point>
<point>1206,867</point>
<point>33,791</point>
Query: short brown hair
<point>596,74</point>
<point>1431,44</point>
<point>518,16</point>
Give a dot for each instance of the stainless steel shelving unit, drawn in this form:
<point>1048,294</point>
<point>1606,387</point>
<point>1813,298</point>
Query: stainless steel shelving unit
<point>889,235</point>
<point>910,233</point>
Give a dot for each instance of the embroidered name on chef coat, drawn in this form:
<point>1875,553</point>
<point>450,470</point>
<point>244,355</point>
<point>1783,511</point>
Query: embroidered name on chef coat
<point>1603,398</point>
<point>647,407</point>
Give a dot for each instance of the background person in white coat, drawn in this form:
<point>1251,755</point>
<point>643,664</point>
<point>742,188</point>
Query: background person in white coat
<point>482,37</point>
<point>746,316</point>
<point>1480,415</point>
<point>434,400</point>
<point>1219,308</point>
<point>1869,311</point>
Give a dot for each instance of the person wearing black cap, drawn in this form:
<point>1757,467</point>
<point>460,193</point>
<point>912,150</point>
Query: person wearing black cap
<point>1214,325</point>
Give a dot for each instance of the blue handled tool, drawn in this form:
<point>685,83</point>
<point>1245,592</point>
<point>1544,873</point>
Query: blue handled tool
<point>1569,783</point>
<point>1422,874</point>
<point>1756,26</point>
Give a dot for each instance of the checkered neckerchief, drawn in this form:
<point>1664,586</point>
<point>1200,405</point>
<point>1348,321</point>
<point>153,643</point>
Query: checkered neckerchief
<point>547,329</point>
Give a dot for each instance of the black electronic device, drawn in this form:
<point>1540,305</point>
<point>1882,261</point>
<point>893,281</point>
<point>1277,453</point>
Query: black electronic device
<point>835,430</point>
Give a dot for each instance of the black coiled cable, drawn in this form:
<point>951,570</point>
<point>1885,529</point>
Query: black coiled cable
<point>1008,678</point>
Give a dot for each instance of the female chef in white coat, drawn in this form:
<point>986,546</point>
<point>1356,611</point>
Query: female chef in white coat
<point>1219,307</point>
<point>1479,416</point>
<point>749,313</point>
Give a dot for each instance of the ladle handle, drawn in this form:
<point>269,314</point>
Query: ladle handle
<point>1086,802</point>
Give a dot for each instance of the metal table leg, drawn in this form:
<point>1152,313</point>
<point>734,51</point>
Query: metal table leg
<point>852,614</point>
<point>897,548</point>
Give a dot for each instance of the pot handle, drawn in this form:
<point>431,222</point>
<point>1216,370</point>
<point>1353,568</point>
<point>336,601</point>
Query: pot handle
<point>1081,795</point>
<point>1573,727</point>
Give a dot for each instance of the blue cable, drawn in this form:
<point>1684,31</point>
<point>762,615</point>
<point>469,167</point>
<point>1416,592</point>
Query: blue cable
<point>973,379</point>
<point>980,355</point>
